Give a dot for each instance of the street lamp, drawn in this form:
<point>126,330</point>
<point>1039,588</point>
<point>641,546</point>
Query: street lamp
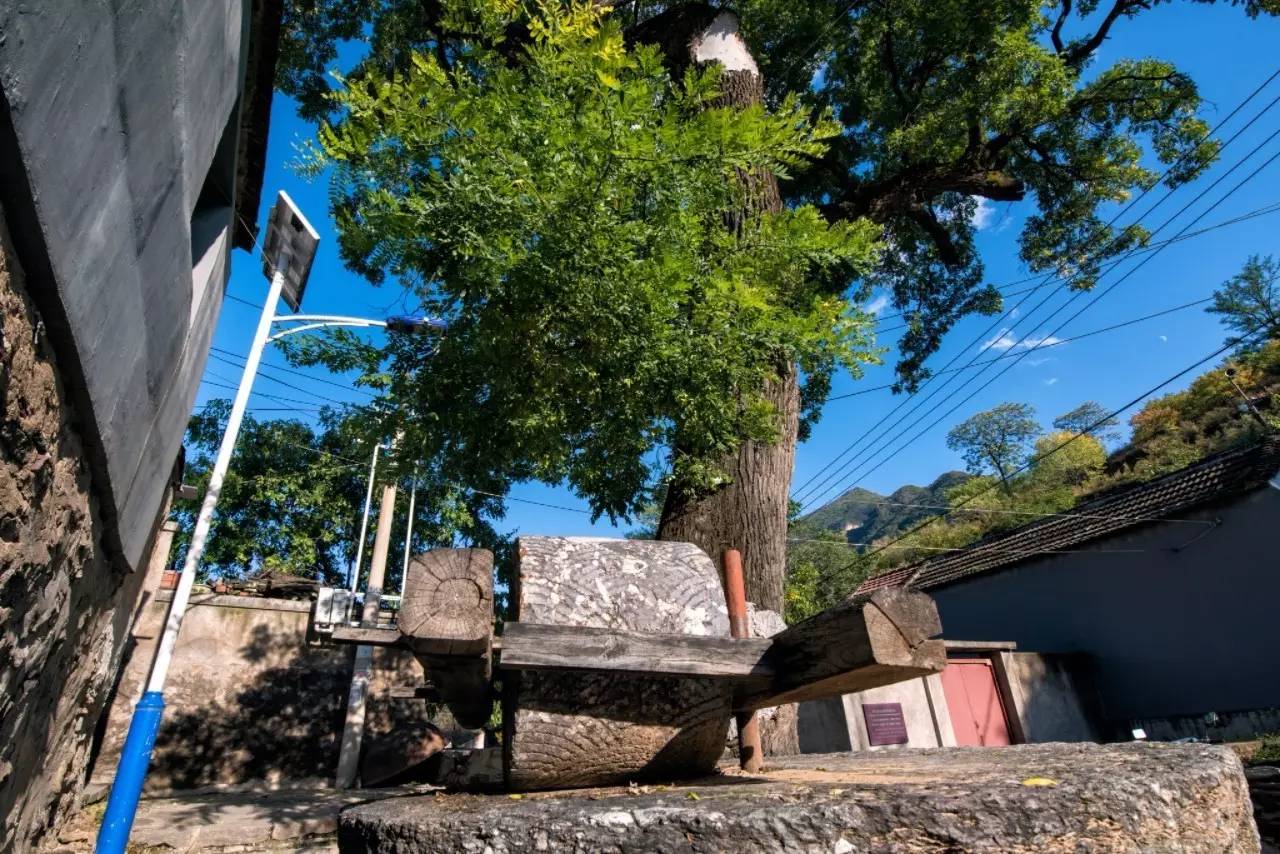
<point>288,253</point>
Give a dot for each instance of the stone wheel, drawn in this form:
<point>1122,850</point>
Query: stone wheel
<point>566,730</point>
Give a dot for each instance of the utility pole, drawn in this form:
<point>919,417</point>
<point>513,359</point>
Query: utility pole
<point>353,729</point>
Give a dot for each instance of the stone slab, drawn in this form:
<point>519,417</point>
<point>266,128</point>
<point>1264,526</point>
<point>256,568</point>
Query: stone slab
<point>238,819</point>
<point>1043,798</point>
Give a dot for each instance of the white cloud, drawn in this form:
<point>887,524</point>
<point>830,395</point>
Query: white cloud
<point>1051,381</point>
<point>1007,339</point>
<point>877,305</point>
<point>1046,341</point>
<point>983,215</point>
<point>1164,339</point>
<point>1035,363</point>
<point>1014,312</point>
<point>1002,341</point>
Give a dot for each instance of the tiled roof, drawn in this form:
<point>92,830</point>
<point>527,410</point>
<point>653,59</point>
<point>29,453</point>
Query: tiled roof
<point>1215,478</point>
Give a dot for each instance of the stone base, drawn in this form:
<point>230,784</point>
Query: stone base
<point>1044,797</point>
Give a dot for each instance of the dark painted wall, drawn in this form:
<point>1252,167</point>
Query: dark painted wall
<point>118,129</point>
<point>1184,625</point>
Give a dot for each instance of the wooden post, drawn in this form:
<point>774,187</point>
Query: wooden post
<point>735,593</point>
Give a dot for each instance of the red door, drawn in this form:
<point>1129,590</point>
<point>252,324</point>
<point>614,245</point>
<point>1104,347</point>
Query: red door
<point>973,701</point>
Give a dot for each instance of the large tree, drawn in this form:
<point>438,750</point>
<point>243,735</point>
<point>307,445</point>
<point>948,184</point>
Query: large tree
<point>1249,303</point>
<point>1089,417</point>
<point>943,103</point>
<point>995,440</point>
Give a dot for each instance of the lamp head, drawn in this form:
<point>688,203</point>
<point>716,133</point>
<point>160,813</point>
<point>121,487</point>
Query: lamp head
<point>290,247</point>
<point>413,324</point>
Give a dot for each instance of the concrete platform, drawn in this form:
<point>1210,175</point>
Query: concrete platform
<point>1047,797</point>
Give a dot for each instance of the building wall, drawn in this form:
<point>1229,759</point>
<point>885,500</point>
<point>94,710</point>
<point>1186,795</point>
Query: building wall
<point>249,697</point>
<point>1177,619</point>
<point>118,130</point>
<point>61,624</point>
<point>1044,696</point>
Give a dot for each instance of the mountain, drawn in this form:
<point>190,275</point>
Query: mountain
<point>865,516</point>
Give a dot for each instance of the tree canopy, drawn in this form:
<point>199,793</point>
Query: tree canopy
<point>292,499</point>
<point>995,440</point>
<point>1089,417</point>
<point>567,214</point>
<point>1249,303</point>
<point>945,105</point>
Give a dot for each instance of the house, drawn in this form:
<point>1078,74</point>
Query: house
<point>1147,610</point>
<point>132,146</point>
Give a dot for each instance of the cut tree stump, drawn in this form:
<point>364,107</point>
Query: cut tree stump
<point>569,729</point>
<point>446,618</point>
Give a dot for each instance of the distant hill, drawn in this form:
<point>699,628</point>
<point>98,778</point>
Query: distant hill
<point>864,516</point>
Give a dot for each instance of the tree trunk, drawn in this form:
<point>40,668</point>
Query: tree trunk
<point>750,512</point>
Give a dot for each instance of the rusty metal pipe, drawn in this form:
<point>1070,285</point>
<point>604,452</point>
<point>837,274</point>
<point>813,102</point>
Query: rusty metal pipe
<point>750,756</point>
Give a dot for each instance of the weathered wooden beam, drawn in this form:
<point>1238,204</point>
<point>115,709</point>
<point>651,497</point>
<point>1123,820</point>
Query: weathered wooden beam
<point>415,692</point>
<point>853,647</point>
<point>367,636</point>
<point>531,646</point>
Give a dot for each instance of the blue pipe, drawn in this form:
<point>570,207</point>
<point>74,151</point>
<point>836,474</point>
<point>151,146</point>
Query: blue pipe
<point>131,773</point>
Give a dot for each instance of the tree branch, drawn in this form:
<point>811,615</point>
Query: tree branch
<point>947,251</point>
<point>1078,52</point>
<point>1056,35</point>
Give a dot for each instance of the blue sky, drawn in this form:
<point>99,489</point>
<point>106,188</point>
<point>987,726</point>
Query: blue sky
<point>1225,52</point>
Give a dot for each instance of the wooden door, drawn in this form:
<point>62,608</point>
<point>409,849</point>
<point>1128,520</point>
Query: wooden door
<point>973,701</point>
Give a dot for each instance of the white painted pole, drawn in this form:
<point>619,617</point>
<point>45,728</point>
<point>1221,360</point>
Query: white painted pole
<point>408,534</point>
<point>353,727</point>
<point>195,551</point>
<point>364,524</point>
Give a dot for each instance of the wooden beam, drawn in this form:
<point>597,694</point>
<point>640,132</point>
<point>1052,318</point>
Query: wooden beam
<point>531,646</point>
<point>849,648</point>
<point>368,637</point>
<point>853,647</point>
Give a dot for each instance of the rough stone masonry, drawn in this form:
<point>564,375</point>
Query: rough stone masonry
<point>60,629</point>
<point>1030,798</point>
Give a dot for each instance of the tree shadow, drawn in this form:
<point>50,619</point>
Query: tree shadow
<point>283,724</point>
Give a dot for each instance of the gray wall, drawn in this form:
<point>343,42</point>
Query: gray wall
<point>118,127</point>
<point>1185,625</point>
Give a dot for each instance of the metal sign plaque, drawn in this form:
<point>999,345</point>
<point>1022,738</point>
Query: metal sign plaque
<point>885,724</point>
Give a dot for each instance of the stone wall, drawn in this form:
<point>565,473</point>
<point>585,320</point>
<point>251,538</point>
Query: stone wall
<point>250,697</point>
<point>61,621</point>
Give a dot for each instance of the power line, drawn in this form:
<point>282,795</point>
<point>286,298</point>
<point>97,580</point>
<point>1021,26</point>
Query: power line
<point>1023,552</point>
<point>269,396</point>
<point>234,298</point>
<point>802,493</point>
<point>1047,344</point>
<point>805,489</point>
<point>1037,513</point>
<point>304,374</point>
<point>224,360</point>
<point>1041,457</point>
<point>1032,344</point>
<point>1150,247</point>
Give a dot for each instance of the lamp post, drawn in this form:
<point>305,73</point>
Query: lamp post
<point>288,254</point>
